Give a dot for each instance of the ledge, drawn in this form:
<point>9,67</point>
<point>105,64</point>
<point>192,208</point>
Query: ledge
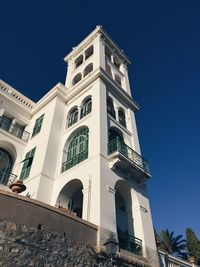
<point>24,210</point>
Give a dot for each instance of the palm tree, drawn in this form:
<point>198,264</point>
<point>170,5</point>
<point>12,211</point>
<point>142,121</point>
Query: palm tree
<point>174,245</point>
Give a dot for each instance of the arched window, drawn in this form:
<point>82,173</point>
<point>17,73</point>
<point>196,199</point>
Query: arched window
<point>86,107</point>
<point>72,118</point>
<point>76,149</point>
<point>122,117</point>
<point>79,61</point>
<point>118,79</point>
<point>116,141</point>
<point>88,69</point>
<point>76,79</point>
<point>110,107</point>
<point>6,163</point>
<point>108,70</point>
<point>89,52</point>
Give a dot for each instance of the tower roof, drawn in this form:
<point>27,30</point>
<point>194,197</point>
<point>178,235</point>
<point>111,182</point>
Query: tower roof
<point>97,31</point>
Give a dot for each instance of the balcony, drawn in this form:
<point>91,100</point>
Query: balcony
<point>130,243</point>
<point>6,178</point>
<point>14,129</point>
<point>125,158</point>
<point>74,161</point>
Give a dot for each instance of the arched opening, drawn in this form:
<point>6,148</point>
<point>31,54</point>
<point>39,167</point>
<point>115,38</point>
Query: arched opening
<point>88,69</point>
<point>118,79</point>
<point>71,197</point>
<point>122,117</point>
<point>116,62</point>
<point>108,70</point>
<point>114,133</point>
<point>6,164</point>
<point>76,149</point>
<point>79,61</point>
<point>86,107</point>
<point>76,79</point>
<point>124,218</point>
<point>110,107</point>
<point>89,52</point>
<point>72,117</point>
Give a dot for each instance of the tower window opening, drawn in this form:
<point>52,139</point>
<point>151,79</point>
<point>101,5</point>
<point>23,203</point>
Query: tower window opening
<point>79,61</point>
<point>108,70</point>
<point>76,79</point>
<point>88,69</point>
<point>110,107</point>
<point>108,53</point>
<point>122,117</point>
<point>86,107</point>
<point>116,62</point>
<point>89,52</point>
<point>76,149</point>
<point>72,117</point>
<point>118,79</point>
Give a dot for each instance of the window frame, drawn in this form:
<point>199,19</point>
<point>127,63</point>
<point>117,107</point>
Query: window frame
<point>38,125</point>
<point>27,164</point>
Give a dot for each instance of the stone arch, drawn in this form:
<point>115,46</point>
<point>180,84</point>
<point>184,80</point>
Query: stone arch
<point>71,197</point>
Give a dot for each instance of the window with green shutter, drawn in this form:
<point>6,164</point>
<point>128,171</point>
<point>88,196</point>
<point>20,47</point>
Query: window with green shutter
<point>38,125</point>
<point>27,164</point>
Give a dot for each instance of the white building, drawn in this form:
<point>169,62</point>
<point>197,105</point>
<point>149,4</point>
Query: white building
<point>78,147</point>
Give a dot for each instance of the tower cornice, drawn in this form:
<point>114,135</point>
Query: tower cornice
<point>105,37</point>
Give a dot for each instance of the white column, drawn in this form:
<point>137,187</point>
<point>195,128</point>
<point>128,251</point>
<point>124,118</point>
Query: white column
<point>87,201</point>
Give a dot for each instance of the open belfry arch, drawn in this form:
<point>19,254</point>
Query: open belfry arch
<point>79,146</point>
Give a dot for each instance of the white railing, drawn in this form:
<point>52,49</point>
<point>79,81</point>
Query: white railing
<point>167,260</point>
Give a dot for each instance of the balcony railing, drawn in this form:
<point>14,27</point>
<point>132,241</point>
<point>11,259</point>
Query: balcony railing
<point>6,178</point>
<point>117,145</point>
<point>14,129</point>
<point>74,161</point>
<point>130,243</point>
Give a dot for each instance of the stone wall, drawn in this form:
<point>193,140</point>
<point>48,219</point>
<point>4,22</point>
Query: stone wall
<point>23,246</point>
<point>33,233</point>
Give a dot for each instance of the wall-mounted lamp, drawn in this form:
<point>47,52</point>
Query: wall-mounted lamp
<point>112,248</point>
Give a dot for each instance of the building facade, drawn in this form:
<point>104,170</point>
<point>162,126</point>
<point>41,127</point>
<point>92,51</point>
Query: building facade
<point>77,148</point>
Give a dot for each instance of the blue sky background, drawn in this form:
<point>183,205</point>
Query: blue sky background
<point>162,39</point>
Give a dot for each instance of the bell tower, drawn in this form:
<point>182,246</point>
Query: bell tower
<point>102,176</point>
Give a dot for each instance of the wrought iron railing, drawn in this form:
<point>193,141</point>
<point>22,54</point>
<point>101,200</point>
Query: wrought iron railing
<point>130,243</point>
<point>74,161</point>
<point>14,129</point>
<point>117,145</point>
<point>6,178</point>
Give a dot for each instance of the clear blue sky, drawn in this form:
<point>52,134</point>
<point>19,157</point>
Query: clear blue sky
<point>162,39</point>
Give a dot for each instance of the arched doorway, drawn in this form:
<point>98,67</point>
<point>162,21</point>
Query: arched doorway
<point>71,197</point>
<point>6,164</point>
<point>124,218</point>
